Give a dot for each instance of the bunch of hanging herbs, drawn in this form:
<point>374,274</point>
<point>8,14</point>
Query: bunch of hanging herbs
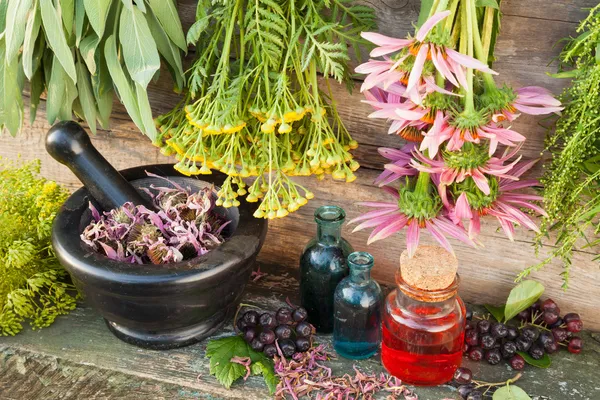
<point>82,52</point>
<point>33,285</point>
<point>572,179</point>
<point>257,106</point>
<point>462,159</point>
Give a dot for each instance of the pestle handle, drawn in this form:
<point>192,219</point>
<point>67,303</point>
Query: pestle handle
<point>69,144</point>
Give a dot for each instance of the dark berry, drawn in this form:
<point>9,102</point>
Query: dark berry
<point>241,324</point>
<point>302,344</point>
<point>574,325</point>
<point>575,345</point>
<point>469,314</point>
<point>557,324</point>
<point>550,305</point>
<point>560,334</point>
<point>270,350</point>
<point>487,341</point>
<point>476,354</point>
<point>550,317</point>
<point>545,338</point>
<point>475,395</point>
<point>283,332</point>
<point>249,334</point>
<point>537,305</point>
<point>472,337</point>
<point>517,362</point>
<point>571,316</point>
<point>523,343</point>
<point>483,326</point>
<point>508,350</point>
<point>524,315</point>
<point>304,329</point>
<point>288,347</point>
<point>464,390</point>
<point>512,333</point>
<point>299,314</point>
<point>257,345</point>
<point>552,347</point>
<point>493,356</point>
<point>463,376</point>
<point>499,330</point>
<point>267,321</point>
<point>250,318</point>
<point>284,315</point>
<point>530,332</point>
<point>267,336</point>
<point>466,348</point>
<point>536,351</point>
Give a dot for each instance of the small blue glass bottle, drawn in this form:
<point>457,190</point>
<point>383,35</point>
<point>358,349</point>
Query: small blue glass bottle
<point>323,266</point>
<point>357,310</point>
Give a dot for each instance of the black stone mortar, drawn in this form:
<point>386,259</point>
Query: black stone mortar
<point>160,306</point>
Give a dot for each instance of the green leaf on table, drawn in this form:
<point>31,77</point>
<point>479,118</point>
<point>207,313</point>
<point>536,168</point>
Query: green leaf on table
<point>86,96</point>
<point>167,15</point>
<point>14,33</point>
<point>31,33</point>
<point>124,89</point>
<point>221,351</point>
<point>521,297</point>
<point>496,311</point>
<point>97,11</point>
<point>510,392</point>
<point>543,362</point>
<point>487,3</point>
<point>139,49</point>
<point>564,74</point>
<point>56,38</point>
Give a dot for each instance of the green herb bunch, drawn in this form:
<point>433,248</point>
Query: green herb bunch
<point>255,107</point>
<point>80,52</point>
<point>572,180</point>
<point>32,282</point>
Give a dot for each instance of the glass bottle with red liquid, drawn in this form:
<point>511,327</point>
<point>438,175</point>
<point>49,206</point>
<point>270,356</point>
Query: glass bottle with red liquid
<point>424,319</point>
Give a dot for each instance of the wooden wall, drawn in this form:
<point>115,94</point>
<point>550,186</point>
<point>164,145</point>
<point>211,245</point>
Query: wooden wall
<point>530,31</point>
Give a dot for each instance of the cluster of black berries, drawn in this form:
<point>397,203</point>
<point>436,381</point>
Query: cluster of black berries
<point>542,331</point>
<point>288,327</point>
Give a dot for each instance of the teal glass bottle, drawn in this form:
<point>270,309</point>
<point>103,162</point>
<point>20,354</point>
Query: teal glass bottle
<point>357,310</point>
<point>323,266</point>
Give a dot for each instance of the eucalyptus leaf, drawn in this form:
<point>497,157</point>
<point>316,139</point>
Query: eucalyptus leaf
<point>167,15</point>
<point>79,20</point>
<point>102,86</point>
<point>496,311</point>
<point>56,39</point>
<point>167,50</point>
<point>3,12</point>
<point>97,11</point>
<point>61,94</point>
<point>2,105</point>
<point>126,94</point>
<point>521,297</point>
<point>510,392</point>
<point>67,12</point>
<point>14,33</point>
<point>31,33</point>
<point>87,49</point>
<point>86,96</point>
<point>36,85</point>
<point>145,111</point>
<point>13,101</point>
<point>139,49</point>
<point>543,362</point>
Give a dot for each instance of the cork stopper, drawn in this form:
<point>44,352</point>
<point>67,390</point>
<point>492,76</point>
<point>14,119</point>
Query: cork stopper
<point>431,268</point>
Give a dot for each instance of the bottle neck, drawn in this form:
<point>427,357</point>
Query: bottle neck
<point>360,264</point>
<point>329,232</point>
<point>426,302</point>
<point>360,276</point>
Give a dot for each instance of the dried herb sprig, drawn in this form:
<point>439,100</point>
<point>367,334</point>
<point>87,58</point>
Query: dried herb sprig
<point>255,107</point>
<point>572,179</point>
<point>186,226</point>
<point>33,285</point>
<point>306,375</point>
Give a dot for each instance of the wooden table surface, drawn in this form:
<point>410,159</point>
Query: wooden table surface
<point>78,358</point>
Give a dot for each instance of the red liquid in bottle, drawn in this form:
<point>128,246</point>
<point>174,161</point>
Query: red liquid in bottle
<point>423,345</point>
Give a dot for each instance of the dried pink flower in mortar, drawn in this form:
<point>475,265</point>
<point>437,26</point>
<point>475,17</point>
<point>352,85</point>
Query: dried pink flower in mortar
<point>186,226</point>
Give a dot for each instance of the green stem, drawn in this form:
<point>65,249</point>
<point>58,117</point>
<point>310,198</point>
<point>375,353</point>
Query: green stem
<point>467,33</point>
<point>488,30</point>
<point>450,20</point>
<point>481,54</point>
<point>422,185</point>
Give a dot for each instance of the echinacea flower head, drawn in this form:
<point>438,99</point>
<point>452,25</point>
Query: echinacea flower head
<point>399,165</point>
<point>503,202</point>
<point>505,104</point>
<point>419,58</point>
<point>414,211</point>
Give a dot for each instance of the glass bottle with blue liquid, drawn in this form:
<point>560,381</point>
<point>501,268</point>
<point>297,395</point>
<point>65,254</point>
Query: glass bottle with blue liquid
<point>323,266</point>
<point>357,310</point>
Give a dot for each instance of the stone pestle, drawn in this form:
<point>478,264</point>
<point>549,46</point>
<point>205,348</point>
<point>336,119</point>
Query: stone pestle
<point>69,144</point>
